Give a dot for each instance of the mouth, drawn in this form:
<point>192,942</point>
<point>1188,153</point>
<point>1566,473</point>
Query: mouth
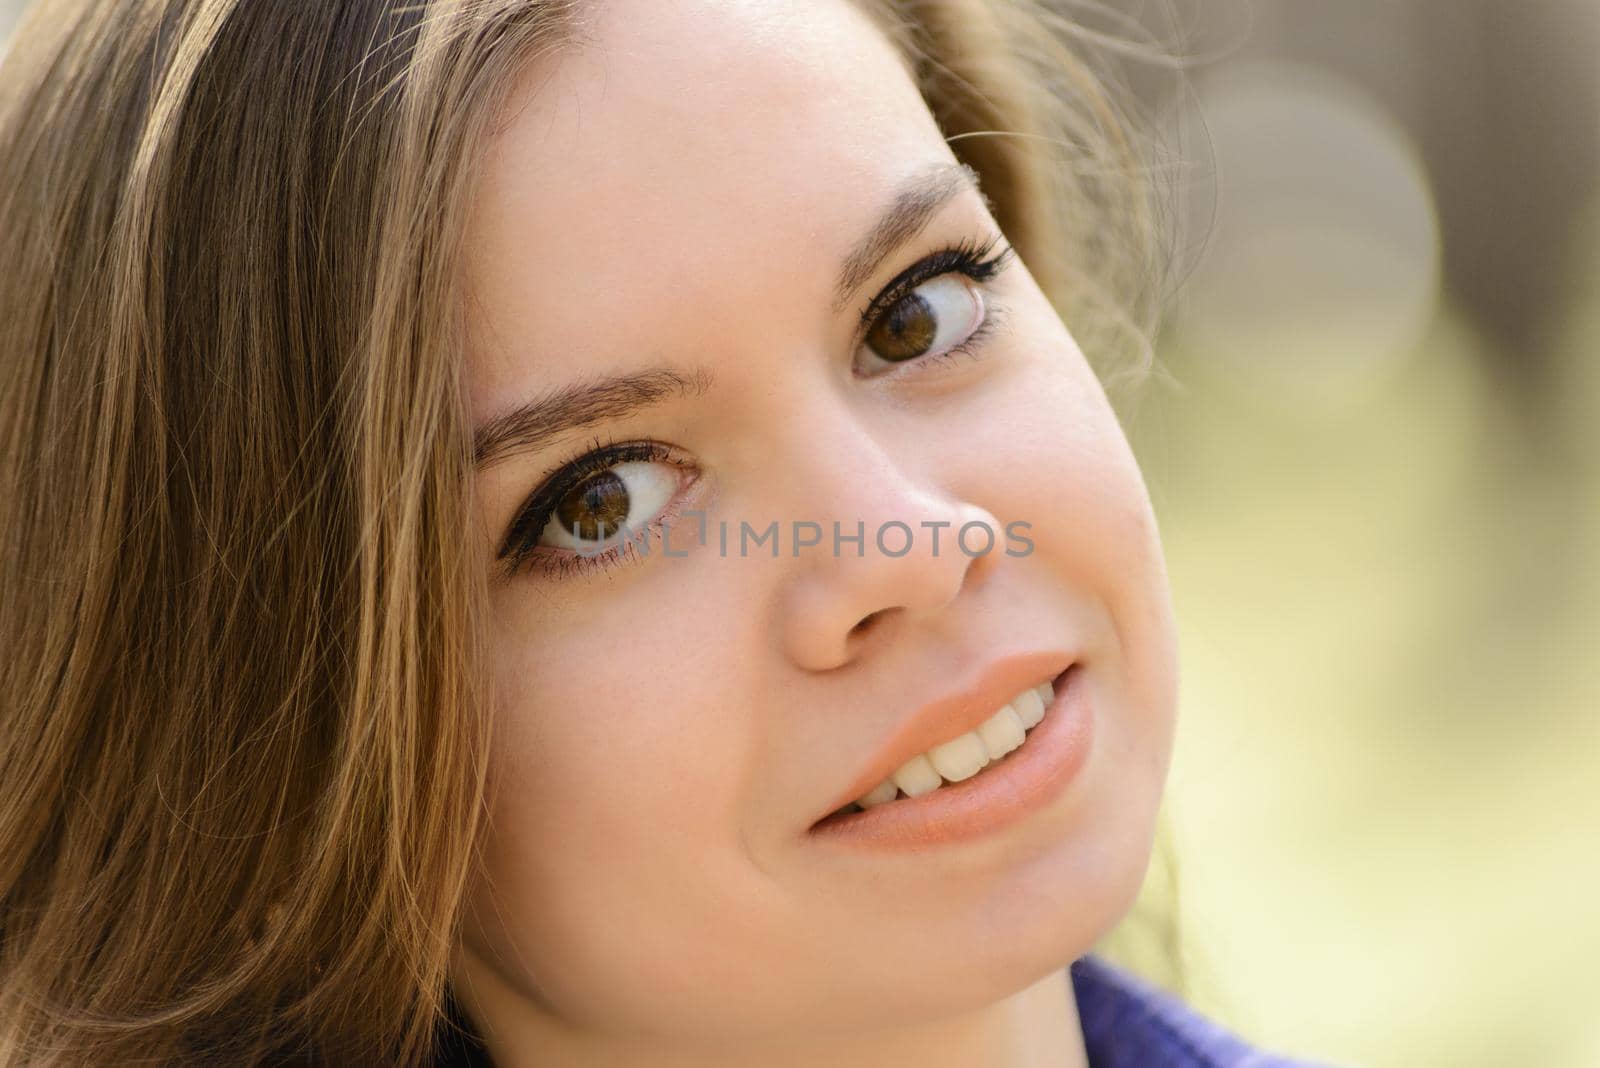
<point>969,756</point>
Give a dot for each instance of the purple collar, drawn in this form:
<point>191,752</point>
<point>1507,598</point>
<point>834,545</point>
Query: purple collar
<point>1131,1023</point>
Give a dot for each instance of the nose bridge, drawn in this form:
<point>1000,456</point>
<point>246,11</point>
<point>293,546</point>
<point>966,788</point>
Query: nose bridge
<point>894,557</point>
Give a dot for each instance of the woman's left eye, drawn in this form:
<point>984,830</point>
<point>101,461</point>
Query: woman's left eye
<point>931,320</point>
<point>935,309</point>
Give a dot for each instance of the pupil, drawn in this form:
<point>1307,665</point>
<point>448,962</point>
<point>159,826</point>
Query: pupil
<point>907,331</point>
<point>596,509</point>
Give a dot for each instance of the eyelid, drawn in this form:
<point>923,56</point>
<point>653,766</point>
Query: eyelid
<point>935,263</point>
<point>974,258</point>
<point>597,456</point>
<point>564,563</point>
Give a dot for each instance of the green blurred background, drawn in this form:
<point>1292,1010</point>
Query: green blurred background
<point>1374,447</point>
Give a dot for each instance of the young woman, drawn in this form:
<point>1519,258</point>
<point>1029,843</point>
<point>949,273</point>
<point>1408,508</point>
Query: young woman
<point>580,524</point>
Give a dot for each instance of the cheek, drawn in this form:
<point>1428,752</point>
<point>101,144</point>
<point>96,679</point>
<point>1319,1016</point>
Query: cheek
<point>1060,461</point>
<point>1046,448</point>
<point>1063,463</point>
<point>618,768</point>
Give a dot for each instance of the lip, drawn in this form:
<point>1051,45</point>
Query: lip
<point>1003,793</point>
<point>954,715</point>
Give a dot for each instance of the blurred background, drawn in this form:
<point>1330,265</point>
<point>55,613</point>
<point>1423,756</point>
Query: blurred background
<point>1374,448</point>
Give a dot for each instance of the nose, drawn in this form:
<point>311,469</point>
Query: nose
<point>919,548</point>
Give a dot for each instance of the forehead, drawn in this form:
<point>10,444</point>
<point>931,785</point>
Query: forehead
<point>680,159</point>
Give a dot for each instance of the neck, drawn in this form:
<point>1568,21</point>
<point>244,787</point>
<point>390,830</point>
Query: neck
<point>1036,1027</point>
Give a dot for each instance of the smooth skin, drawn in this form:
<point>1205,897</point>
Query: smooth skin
<point>679,189</point>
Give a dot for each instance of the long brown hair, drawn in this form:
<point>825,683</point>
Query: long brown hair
<point>243,715</point>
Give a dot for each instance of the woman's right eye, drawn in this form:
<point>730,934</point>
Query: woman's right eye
<point>617,494</point>
<point>624,497</point>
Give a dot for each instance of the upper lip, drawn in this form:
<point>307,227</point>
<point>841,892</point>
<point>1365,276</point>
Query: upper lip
<point>963,708</point>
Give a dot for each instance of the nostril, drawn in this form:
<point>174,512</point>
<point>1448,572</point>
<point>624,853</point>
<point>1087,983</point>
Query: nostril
<point>867,621</point>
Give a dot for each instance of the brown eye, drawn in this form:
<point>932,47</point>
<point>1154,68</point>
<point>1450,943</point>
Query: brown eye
<point>906,330</point>
<point>932,319</point>
<point>626,495</point>
<point>596,509</point>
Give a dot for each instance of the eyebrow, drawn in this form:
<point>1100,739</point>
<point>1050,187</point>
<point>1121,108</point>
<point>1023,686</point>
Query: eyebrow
<point>532,425</point>
<point>913,207</point>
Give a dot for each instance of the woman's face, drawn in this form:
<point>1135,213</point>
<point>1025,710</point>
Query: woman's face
<point>695,195</point>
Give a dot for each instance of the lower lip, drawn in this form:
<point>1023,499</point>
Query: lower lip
<point>1003,793</point>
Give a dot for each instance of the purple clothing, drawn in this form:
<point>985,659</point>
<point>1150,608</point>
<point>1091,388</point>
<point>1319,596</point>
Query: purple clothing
<point>1127,1023</point>
<point>1131,1023</point>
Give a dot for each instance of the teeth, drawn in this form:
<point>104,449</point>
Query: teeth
<point>885,792</point>
<point>963,757</point>
<point>1002,733</point>
<point>916,776</point>
<point>1030,709</point>
<point>960,758</point>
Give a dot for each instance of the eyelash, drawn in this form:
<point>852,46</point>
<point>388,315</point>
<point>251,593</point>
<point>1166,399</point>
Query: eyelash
<point>977,260</point>
<point>523,537</point>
